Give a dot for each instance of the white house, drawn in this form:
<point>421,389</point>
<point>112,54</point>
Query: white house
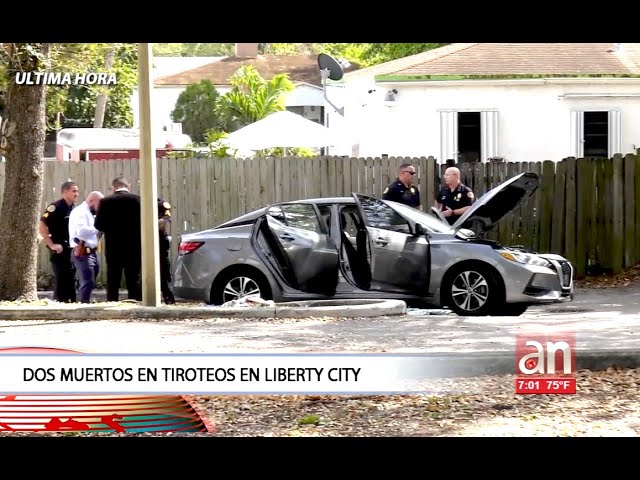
<point>307,99</point>
<point>475,101</point>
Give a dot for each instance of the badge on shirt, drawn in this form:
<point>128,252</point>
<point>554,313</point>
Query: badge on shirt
<point>458,196</point>
<point>51,208</point>
<point>413,190</point>
<point>470,194</point>
<point>46,214</point>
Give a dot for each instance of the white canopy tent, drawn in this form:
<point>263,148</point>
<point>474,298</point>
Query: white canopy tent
<point>284,129</point>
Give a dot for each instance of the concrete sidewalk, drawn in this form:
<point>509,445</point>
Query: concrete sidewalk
<point>133,310</point>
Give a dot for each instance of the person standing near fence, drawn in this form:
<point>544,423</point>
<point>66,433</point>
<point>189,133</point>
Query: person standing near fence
<point>402,190</point>
<point>118,217</point>
<point>54,230</point>
<point>454,198</point>
<point>83,238</point>
<point>164,221</point>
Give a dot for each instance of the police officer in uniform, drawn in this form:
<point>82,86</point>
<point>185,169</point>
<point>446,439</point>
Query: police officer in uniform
<point>164,220</point>
<point>454,198</point>
<point>54,229</point>
<point>402,190</point>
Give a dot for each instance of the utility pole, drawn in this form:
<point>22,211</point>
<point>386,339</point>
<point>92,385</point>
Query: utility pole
<point>148,184</point>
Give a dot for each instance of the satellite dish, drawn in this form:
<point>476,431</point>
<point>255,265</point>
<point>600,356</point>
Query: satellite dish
<point>332,69</point>
<point>331,65</point>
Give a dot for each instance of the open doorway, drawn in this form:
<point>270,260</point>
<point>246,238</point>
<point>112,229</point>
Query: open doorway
<point>469,137</point>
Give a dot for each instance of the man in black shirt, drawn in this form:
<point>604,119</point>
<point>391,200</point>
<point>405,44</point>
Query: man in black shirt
<point>54,230</point>
<point>118,217</point>
<point>402,190</point>
<point>454,198</point>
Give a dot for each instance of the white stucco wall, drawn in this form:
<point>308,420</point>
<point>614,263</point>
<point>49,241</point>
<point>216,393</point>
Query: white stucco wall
<point>533,122</point>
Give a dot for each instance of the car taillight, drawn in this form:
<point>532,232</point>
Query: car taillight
<point>188,247</point>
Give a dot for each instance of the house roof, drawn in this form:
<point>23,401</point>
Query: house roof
<point>300,68</point>
<point>511,60</point>
<point>164,66</point>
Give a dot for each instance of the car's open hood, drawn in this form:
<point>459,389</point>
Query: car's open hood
<point>497,202</point>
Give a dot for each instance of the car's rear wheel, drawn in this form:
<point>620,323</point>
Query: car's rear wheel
<point>472,290</point>
<point>238,283</point>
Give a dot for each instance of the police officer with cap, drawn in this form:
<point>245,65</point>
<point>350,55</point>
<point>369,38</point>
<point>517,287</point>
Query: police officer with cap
<point>402,190</point>
<point>164,220</point>
<point>54,230</point>
<point>454,198</point>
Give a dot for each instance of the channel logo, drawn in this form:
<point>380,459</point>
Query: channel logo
<point>97,413</point>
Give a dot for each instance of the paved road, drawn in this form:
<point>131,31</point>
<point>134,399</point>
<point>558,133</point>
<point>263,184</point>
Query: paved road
<point>602,319</point>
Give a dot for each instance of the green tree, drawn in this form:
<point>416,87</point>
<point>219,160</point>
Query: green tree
<point>362,54</point>
<point>252,97</point>
<point>196,110</point>
<point>79,106</point>
<point>376,53</point>
<point>22,135</point>
<point>193,49</point>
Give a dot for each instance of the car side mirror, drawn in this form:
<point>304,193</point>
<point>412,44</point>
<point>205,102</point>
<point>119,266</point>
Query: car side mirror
<point>420,230</point>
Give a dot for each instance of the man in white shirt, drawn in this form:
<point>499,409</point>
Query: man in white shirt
<point>83,239</point>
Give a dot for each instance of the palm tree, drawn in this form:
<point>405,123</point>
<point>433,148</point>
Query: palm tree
<point>252,98</point>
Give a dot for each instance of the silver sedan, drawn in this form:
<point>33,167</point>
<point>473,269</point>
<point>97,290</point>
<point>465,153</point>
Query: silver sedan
<point>364,247</point>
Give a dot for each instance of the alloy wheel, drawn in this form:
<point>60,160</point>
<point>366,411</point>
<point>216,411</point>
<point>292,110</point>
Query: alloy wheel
<point>470,291</point>
<point>239,287</point>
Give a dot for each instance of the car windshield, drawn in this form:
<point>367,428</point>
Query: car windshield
<point>429,221</point>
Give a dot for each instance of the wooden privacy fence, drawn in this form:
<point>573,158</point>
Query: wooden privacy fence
<point>584,209</point>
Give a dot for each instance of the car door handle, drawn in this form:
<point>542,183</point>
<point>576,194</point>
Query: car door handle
<point>381,241</point>
<point>287,237</point>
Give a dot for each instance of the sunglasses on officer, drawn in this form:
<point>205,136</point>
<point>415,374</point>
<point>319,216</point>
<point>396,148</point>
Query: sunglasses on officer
<point>409,172</point>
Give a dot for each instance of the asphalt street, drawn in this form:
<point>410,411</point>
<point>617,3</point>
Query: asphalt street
<point>602,319</point>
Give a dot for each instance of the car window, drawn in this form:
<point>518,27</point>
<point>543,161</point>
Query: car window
<point>380,215</point>
<point>276,212</point>
<point>325,214</point>
<point>302,216</point>
<point>350,218</point>
<point>428,220</point>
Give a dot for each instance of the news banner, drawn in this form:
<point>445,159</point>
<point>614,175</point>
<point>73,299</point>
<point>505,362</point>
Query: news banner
<point>215,374</point>
<point>542,366</point>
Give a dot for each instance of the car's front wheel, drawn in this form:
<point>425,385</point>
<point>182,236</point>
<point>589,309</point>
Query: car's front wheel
<point>238,283</point>
<point>472,290</point>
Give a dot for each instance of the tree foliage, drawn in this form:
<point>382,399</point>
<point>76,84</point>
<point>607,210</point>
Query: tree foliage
<point>362,54</point>
<point>252,98</point>
<point>196,110</point>
<point>77,103</point>
<point>193,49</point>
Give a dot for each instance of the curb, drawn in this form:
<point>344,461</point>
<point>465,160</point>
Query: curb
<point>478,364</point>
<point>318,308</point>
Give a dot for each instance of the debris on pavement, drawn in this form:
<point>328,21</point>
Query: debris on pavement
<point>428,311</point>
<point>250,301</point>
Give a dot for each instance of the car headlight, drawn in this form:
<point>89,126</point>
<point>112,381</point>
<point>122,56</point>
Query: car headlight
<point>525,258</point>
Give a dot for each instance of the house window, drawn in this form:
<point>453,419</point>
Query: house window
<point>595,133</point>
<point>468,136</point>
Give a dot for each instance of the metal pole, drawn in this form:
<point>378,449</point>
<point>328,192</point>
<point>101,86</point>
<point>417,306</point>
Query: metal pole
<point>148,184</point>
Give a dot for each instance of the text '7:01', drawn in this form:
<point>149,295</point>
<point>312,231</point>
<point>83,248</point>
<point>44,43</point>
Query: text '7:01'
<point>545,386</point>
